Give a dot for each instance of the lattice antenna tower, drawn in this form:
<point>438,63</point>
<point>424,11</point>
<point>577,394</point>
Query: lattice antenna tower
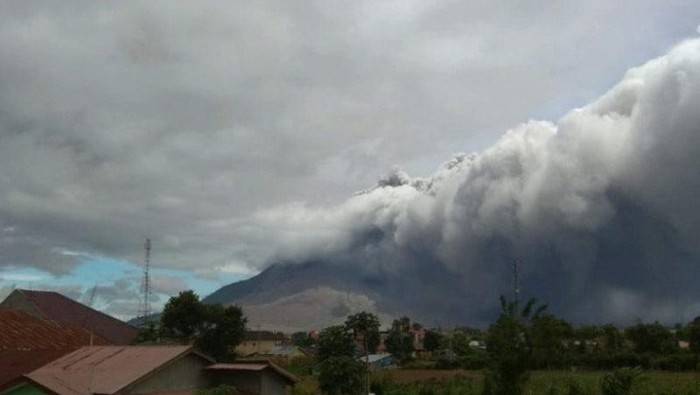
<point>147,283</point>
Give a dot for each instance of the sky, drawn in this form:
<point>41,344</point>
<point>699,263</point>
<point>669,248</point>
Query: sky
<point>223,130</point>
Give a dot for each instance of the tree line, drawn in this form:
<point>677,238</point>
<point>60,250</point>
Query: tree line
<point>524,338</point>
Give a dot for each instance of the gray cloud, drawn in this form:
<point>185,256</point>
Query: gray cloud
<point>186,123</point>
<point>599,208</point>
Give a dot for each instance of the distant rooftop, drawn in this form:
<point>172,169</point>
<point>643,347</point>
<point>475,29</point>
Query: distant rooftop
<point>56,307</point>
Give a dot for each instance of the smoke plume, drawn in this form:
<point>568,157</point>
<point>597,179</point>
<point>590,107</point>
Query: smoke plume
<point>599,209</point>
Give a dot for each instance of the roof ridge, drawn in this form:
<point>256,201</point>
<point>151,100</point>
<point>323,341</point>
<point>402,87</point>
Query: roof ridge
<point>76,303</point>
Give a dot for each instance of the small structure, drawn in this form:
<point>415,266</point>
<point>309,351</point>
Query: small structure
<point>254,376</point>
<point>124,370</point>
<point>284,352</point>
<point>56,307</point>
<point>259,343</point>
<point>379,361</point>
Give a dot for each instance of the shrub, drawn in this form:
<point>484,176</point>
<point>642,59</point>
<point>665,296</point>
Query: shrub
<point>341,375</point>
<point>620,381</point>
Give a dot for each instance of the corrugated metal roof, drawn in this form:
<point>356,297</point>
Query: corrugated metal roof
<point>27,342</point>
<point>238,366</point>
<point>56,307</point>
<point>103,369</point>
<point>21,331</point>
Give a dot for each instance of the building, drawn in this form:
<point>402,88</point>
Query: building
<point>378,361</point>
<point>254,377</point>
<point>125,370</point>
<point>55,307</point>
<point>285,352</point>
<point>260,343</point>
<point>27,343</point>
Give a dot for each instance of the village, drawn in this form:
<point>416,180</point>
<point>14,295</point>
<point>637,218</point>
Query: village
<point>51,344</point>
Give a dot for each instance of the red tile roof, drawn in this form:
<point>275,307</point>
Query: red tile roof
<point>56,307</point>
<point>103,369</point>
<point>27,342</point>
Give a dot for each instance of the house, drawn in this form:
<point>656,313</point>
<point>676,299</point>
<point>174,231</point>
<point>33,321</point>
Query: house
<point>378,361</point>
<point>56,307</point>
<point>260,343</point>
<point>418,334</point>
<point>285,352</point>
<point>124,370</point>
<point>253,376</point>
<point>27,343</point>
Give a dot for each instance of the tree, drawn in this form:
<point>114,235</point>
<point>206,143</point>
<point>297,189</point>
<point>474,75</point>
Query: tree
<point>651,338</point>
<point>182,316</point>
<point>214,329</point>
<point>614,341</point>
<point>222,329</point>
<point>548,336</point>
<point>147,334</point>
<point>341,375</point>
<point>365,330</point>
<point>694,335</point>
<point>509,346</point>
<point>302,339</point>
<point>335,341</point>
<point>339,371</point>
<point>432,340</point>
<point>399,342</point>
<point>460,344</point>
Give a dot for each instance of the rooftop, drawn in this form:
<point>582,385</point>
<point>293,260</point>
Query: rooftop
<point>27,342</point>
<point>103,369</point>
<point>254,366</point>
<point>56,307</point>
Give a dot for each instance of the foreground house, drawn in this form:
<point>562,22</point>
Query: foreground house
<point>180,370</point>
<point>55,307</point>
<point>27,343</point>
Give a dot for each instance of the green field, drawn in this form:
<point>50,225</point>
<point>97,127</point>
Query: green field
<point>439,382</point>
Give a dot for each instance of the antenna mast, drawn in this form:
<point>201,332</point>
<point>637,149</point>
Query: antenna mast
<point>147,283</point>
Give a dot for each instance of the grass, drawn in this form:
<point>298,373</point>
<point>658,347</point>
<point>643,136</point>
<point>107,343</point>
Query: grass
<point>460,382</point>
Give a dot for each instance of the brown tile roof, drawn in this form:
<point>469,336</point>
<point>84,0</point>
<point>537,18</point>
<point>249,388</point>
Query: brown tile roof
<point>103,369</point>
<point>255,365</point>
<point>27,342</point>
<point>56,307</point>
